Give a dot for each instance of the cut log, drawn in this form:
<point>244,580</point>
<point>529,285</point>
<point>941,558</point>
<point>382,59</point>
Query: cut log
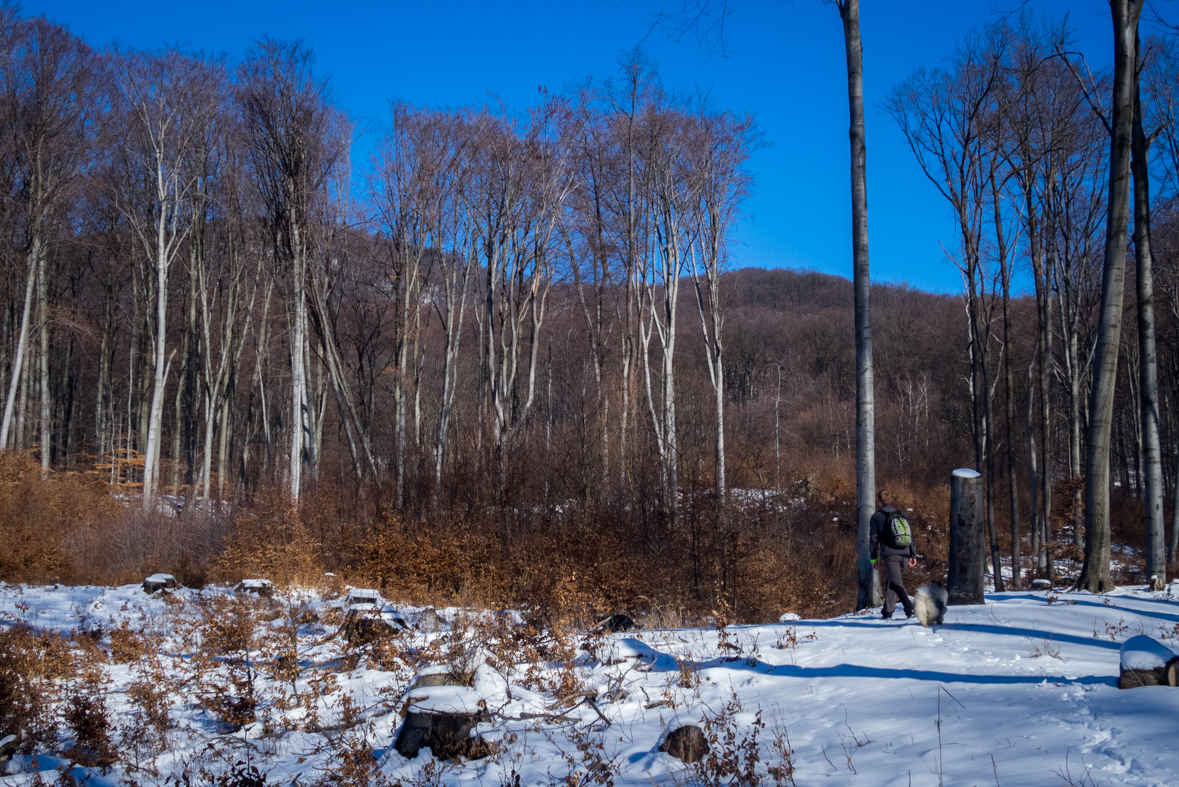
<point>686,744</point>
<point>1171,673</point>
<point>1146,662</point>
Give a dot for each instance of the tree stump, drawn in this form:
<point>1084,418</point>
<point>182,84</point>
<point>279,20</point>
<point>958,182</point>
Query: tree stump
<point>8,746</point>
<point>442,718</point>
<point>259,587</point>
<point>157,582</point>
<point>365,623</point>
<point>967,538</point>
<point>617,623</point>
<point>686,744</point>
<point>1147,662</point>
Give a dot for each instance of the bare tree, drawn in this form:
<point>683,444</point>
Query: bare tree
<point>720,148</point>
<point>944,116</point>
<point>171,99</point>
<point>288,114</point>
<point>1152,465</point>
<point>1095,575</point>
<point>49,100</point>
<point>869,587</point>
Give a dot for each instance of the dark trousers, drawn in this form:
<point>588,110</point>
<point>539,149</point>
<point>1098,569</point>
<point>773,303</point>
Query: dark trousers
<point>894,585</point>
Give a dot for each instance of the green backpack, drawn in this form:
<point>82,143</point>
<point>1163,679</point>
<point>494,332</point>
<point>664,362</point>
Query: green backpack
<point>897,529</point>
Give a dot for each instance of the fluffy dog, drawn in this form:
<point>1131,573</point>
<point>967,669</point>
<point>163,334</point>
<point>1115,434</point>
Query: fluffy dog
<point>930,604</point>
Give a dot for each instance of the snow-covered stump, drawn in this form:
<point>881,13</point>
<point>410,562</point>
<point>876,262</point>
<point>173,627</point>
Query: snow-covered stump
<point>686,743</point>
<point>263,588</point>
<point>1147,662</point>
<point>967,538</point>
<point>442,718</point>
<point>157,582</point>
<point>8,746</point>
<point>366,623</point>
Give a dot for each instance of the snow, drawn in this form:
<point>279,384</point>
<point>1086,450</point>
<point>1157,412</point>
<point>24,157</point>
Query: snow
<point>633,649</point>
<point>445,699</point>
<point>965,472</point>
<point>160,578</point>
<point>1012,692</point>
<point>1145,653</point>
<point>358,596</point>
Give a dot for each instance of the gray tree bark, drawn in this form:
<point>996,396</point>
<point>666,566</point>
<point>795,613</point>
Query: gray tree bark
<point>968,549</point>
<point>1156,564</point>
<point>1095,575</point>
<point>869,581</point>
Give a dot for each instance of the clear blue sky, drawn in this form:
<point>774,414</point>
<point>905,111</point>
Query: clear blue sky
<point>785,65</point>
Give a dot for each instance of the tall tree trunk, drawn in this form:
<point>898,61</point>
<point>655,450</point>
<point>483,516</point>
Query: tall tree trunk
<point>1152,468</point>
<point>155,414</point>
<point>298,341</point>
<point>869,581</point>
<point>1009,386</point>
<point>1173,545</point>
<point>22,342</point>
<point>1095,576</point>
<point>1033,469</point>
<point>46,419</point>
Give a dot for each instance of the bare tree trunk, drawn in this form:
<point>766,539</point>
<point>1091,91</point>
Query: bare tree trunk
<point>21,344</point>
<point>1009,386</point>
<point>869,581</point>
<point>1152,468</point>
<point>46,419</point>
<point>1033,470</point>
<point>155,414</point>
<point>1173,546</point>
<point>1095,576</point>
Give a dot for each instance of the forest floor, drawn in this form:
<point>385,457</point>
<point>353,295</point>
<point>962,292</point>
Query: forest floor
<point>1019,691</point>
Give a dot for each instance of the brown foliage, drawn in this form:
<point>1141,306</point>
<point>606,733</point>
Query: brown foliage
<point>47,523</point>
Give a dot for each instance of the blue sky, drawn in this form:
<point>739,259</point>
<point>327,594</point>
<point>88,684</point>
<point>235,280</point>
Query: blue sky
<point>785,65</point>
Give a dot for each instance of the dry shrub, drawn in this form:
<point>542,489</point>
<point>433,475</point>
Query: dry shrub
<point>32,667</point>
<point>47,524</point>
<point>227,642</point>
<point>88,718</point>
<point>127,646</point>
<point>271,541</point>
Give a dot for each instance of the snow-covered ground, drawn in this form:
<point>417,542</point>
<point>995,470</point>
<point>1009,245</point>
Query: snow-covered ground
<point>1021,691</point>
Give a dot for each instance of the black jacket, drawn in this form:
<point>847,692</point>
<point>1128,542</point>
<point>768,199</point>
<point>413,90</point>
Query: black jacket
<point>879,519</point>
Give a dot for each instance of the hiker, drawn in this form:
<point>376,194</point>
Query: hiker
<point>893,540</point>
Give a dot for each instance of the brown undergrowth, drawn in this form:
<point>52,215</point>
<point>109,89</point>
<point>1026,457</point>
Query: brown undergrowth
<point>764,553</point>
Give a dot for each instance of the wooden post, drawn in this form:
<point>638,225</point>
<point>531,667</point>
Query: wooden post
<point>967,538</point>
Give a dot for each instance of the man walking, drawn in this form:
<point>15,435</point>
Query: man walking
<point>893,539</point>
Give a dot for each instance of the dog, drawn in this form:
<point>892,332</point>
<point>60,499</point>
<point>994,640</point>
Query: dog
<point>930,604</point>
